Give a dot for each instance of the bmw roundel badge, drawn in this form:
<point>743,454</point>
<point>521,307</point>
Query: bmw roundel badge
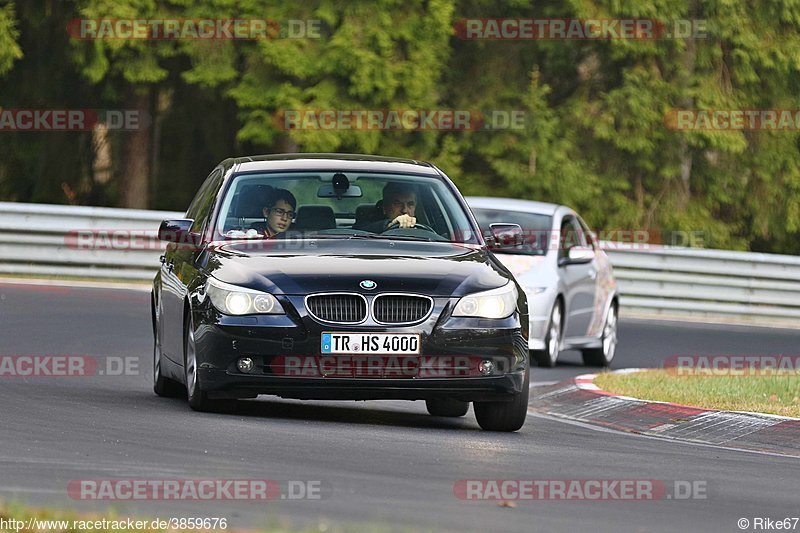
<point>368,284</point>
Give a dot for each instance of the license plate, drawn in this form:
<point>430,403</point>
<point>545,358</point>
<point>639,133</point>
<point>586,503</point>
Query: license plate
<point>370,343</point>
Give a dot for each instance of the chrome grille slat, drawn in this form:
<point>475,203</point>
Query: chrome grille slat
<point>351,308</point>
<point>342,308</point>
<point>400,308</point>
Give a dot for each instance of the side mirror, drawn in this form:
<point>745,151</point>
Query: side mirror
<point>578,255</point>
<point>177,231</point>
<point>504,236</point>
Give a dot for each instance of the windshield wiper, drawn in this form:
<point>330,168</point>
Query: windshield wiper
<point>390,237</point>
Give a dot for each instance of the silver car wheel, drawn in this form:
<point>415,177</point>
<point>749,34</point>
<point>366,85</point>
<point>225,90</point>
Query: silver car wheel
<point>610,335</point>
<point>554,335</point>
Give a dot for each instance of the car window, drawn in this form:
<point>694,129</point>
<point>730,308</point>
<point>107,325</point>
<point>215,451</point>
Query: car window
<point>194,206</point>
<point>201,206</point>
<point>536,228</point>
<point>571,235</point>
<point>587,234</point>
<point>357,210</point>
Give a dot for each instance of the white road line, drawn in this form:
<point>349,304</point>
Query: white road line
<point>142,287</point>
<point>653,437</point>
<point>543,383</point>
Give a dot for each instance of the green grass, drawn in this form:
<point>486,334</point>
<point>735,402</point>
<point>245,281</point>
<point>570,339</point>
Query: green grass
<point>775,394</point>
<point>21,512</point>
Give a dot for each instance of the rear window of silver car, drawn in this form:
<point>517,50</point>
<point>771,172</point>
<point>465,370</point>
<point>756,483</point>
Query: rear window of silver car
<point>536,228</point>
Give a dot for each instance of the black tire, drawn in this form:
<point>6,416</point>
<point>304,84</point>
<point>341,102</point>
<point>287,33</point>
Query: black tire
<point>198,398</point>
<point>549,356</point>
<point>447,407</point>
<point>162,386</point>
<point>504,416</point>
<point>603,356</point>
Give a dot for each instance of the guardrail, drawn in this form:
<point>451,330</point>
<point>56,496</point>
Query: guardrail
<point>689,282</point>
<point>49,240</point>
<point>52,240</point>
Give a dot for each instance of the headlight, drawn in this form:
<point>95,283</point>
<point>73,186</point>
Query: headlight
<point>533,291</point>
<point>496,303</point>
<point>233,300</point>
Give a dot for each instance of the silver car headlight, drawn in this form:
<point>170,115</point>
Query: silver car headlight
<point>233,300</point>
<point>496,303</point>
<point>531,290</point>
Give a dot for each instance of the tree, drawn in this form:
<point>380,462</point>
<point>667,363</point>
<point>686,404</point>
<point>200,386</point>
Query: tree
<point>9,33</point>
<point>596,135</point>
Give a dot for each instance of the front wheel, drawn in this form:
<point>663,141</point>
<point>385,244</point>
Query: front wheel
<point>447,407</point>
<point>198,398</point>
<point>605,354</point>
<point>552,340</point>
<point>162,386</point>
<point>504,416</point>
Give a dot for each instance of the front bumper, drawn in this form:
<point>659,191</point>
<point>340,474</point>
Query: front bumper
<point>270,339</point>
<point>540,305</point>
<point>225,384</point>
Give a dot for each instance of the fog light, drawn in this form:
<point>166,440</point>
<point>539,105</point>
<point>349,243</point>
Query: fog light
<point>486,367</point>
<point>245,364</point>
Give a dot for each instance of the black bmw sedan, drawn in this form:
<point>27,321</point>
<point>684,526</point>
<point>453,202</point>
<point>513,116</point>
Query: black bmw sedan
<point>330,276</point>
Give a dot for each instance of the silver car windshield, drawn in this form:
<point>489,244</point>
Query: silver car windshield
<point>342,205</point>
<point>536,228</point>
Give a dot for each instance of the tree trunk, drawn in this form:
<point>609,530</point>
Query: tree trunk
<point>685,152</point>
<point>136,156</point>
<point>638,188</point>
<point>686,174</point>
<point>287,145</point>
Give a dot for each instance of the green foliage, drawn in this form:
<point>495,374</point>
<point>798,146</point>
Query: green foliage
<point>373,55</point>
<point>594,137</point>
<point>9,49</point>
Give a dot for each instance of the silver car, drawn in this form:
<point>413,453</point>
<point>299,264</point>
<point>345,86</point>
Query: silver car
<point>572,294</point>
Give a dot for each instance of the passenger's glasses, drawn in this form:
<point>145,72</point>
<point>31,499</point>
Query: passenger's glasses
<point>283,213</point>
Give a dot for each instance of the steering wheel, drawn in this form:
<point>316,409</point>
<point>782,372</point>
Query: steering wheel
<point>396,225</point>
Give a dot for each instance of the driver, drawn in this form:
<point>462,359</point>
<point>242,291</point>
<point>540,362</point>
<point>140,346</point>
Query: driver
<point>399,206</point>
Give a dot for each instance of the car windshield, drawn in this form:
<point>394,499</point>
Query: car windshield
<point>536,228</point>
<point>342,205</point>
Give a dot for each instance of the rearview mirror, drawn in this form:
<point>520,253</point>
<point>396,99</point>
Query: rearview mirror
<point>504,236</point>
<point>328,190</point>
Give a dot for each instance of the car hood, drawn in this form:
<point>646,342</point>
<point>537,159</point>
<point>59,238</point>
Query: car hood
<point>306,267</point>
<point>524,266</point>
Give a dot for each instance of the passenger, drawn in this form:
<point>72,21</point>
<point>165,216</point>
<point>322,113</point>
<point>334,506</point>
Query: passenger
<point>399,207</point>
<point>280,213</point>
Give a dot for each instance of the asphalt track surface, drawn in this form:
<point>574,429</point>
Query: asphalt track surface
<point>386,465</point>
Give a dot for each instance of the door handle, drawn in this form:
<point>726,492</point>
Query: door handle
<point>592,273</point>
